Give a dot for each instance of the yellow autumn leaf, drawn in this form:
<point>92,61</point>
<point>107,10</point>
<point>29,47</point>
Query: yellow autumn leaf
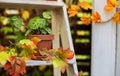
<point>116,17</point>
<point>86,20</point>
<point>96,17</point>
<point>73,10</point>
<point>85,5</point>
<point>57,62</point>
<point>25,15</point>
<point>4,57</point>
<point>36,40</point>
<point>111,5</point>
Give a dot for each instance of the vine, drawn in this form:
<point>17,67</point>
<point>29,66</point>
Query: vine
<point>109,7</point>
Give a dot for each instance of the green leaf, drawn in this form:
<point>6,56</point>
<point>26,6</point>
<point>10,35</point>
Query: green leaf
<point>43,23</point>
<point>4,57</point>
<point>34,23</point>
<point>16,21</point>
<point>12,52</point>
<point>37,22</point>
<point>7,30</point>
<point>43,31</point>
<point>48,30</point>
<point>28,32</point>
<point>47,15</point>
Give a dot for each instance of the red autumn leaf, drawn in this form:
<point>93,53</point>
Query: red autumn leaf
<point>2,48</point>
<point>7,66</point>
<point>15,66</point>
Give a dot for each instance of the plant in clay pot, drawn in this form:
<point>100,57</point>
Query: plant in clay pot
<point>39,27</point>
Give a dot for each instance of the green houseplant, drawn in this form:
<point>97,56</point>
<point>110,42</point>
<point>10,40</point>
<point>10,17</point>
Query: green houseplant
<point>39,27</point>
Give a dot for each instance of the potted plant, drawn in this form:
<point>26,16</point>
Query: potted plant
<point>39,27</point>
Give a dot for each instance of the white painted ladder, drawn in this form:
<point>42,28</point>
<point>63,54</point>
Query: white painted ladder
<point>60,27</point>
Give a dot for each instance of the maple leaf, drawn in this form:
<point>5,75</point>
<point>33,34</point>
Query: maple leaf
<point>70,53</point>
<point>15,66</point>
<point>4,57</point>
<point>27,43</point>
<point>116,17</point>
<point>47,54</point>
<point>85,5</point>
<point>58,62</point>
<point>73,10</point>
<point>111,5</point>
<point>86,20</point>
<point>28,53</point>
<point>61,57</point>
<point>96,17</point>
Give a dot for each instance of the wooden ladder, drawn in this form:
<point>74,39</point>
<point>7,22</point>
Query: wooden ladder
<point>60,27</point>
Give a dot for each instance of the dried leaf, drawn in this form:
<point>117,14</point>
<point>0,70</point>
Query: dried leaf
<point>73,10</point>
<point>85,5</point>
<point>46,54</point>
<point>116,17</point>
<point>96,17</point>
<point>111,5</point>
<point>86,20</point>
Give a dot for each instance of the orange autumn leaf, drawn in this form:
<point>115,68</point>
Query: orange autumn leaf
<point>111,5</point>
<point>85,5</point>
<point>116,17</point>
<point>2,48</point>
<point>96,17</point>
<point>86,20</point>
<point>73,10</point>
<point>63,70</point>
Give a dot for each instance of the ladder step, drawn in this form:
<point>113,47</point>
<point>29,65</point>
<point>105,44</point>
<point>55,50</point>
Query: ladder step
<point>39,62</point>
<point>34,3</point>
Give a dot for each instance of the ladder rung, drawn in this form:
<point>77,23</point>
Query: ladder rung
<point>30,4</point>
<point>39,62</point>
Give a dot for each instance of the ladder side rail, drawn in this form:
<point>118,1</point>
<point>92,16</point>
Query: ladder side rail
<point>56,41</point>
<point>66,41</point>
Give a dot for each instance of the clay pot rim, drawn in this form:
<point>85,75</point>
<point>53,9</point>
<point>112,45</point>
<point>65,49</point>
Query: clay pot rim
<point>43,37</point>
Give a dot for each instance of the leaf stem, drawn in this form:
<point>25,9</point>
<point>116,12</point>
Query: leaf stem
<point>104,21</point>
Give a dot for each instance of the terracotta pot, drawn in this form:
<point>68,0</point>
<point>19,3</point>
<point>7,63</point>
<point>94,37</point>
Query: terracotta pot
<point>45,43</point>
